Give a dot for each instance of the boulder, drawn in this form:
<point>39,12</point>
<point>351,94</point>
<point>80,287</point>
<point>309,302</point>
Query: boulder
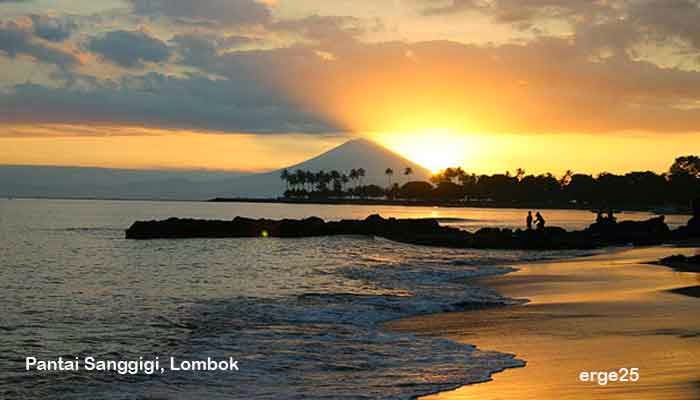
<point>651,231</point>
<point>692,229</point>
<point>682,263</point>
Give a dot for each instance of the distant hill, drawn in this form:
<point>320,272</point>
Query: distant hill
<point>359,153</point>
<point>106,183</point>
<point>80,182</point>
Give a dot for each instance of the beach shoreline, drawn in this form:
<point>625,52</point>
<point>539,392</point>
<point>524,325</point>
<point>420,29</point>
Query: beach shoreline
<point>598,313</point>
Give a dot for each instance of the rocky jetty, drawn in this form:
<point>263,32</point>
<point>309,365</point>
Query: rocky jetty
<point>682,263</point>
<point>692,229</point>
<point>414,231</point>
<point>239,227</point>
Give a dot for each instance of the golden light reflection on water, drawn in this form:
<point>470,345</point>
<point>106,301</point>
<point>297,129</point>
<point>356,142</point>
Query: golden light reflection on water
<point>597,314</point>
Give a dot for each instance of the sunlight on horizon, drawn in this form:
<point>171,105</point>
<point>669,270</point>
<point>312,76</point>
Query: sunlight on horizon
<point>440,148</point>
<point>434,149</point>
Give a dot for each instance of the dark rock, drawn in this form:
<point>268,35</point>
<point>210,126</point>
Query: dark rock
<point>289,228</point>
<point>427,232</point>
<point>652,231</point>
<point>692,229</point>
<point>682,263</point>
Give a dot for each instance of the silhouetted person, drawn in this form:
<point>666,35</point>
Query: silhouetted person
<point>539,221</point>
<point>611,216</point>
<point>600,218</point>
<point>528,220</point>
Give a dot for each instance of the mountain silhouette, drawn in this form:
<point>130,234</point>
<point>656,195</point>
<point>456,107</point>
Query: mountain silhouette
<point>104,183</point>
<point>358,153</point>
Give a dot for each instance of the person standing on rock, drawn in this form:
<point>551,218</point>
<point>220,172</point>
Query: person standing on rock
<point>539,221</point>
<point>611,216</point>
<point>528,220</point>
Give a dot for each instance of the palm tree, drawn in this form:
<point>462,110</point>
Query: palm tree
<point>450,173</point>
<point>335,179</point>
<point>301,178</point>
<point>353,175</point>
<point>389,173</point>
<point>408,171</point>
<point>321,180</point>
<point>293,182</point>
<point>311,178</point>
<point>344,179</point>
<point>317,181</point>
<point>460,174</point>
<point>361,175</point>
<point>285,177</point>
<point>566,179</point>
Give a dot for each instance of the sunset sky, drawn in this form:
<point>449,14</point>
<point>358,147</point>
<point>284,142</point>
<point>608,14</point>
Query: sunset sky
<point>253,85</point>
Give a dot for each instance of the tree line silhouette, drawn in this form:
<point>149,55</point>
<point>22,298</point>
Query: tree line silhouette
<point>678,186</point>
<point>336,184</point>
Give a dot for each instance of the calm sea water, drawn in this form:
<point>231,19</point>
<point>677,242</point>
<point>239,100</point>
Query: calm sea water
<point>301,315</point>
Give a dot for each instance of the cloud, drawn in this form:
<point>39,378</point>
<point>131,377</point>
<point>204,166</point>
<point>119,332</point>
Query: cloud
<point>156,100</point>
<point>52,29</point>
<point>323,73</point>
<point>513,11</point>
<point>508,88</point>
<point>129,49</point>
<point>18,38</point>
<point>364,87</point>
<point>669,18</point>
<point>326,29</point>
<point>229,12</point>
<point>657,21</point>
<point>196,49</point>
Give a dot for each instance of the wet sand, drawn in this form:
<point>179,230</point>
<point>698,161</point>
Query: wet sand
<point>599,313</point>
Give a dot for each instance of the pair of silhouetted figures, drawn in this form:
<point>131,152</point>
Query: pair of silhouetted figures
<point>538,220</point>
<point>603,219</point>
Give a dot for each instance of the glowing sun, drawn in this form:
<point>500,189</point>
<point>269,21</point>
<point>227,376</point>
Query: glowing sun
<point>435,149</point>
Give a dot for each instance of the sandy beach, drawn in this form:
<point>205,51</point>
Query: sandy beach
<point>599,313</point>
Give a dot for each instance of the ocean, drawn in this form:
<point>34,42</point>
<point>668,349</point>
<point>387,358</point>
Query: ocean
<point>302,317</point>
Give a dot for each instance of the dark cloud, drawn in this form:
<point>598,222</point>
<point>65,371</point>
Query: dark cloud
<point>611,23</point>
<point>129,48</point>
<point>663,19</point>
<point>18,38</point>
<point>52,29</point>
<point>193,102</point>
<point>229,12</point>
<point>196,49</point>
